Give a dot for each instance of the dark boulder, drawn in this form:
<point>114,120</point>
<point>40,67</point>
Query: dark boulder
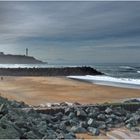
<point>78,129</point>
<point>94,131</point>
<point>81,114</point>
<point>101,117</point>
<point>68,110</point>
<point>108,110</point>
<point>90,122</point>
<point>8,130</point>
<point>3,109</point>
<point>69,136</point>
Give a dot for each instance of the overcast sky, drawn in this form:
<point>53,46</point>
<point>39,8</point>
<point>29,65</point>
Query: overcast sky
<point>72,32</point>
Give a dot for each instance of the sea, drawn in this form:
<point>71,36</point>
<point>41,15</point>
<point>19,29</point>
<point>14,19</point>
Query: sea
<point>119,75</point>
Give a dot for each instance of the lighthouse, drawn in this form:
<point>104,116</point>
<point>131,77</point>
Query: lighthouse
<point>26,51</point>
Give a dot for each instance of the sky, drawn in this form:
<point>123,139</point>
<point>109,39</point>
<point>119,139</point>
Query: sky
<point>72,32</point>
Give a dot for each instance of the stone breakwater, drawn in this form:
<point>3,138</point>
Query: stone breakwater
<point>18,120</point>
<point>65,71</point>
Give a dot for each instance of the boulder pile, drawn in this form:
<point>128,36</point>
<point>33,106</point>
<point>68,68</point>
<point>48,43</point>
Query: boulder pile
<point>20,121</point>
<point>62,71</point>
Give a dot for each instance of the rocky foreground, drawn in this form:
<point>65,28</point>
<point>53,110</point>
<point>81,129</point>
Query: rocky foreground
<point>18,120</point>
<point>64,71</point>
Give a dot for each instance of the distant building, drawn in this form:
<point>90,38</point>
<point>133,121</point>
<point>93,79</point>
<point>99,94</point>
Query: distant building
<point>1,53</point>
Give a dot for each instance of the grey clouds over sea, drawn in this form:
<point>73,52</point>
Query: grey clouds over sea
<point>72,32</point>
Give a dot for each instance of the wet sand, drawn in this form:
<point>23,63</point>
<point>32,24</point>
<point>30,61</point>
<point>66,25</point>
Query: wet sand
<point>41,90</point>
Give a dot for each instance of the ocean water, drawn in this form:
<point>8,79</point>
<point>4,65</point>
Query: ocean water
<point>118,75</point>
<point>114,70</point>
<point>120,70</point>
<point>122,75</point>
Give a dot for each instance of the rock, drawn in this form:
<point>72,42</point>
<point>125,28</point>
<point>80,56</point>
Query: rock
<point>31,112</point>
<point>68,110</point>
<point>91,115</point>
<point>46,117</point>
<point>101,125</point>
<point>101,117</point>
<point>78,129</point>
<point>51,132</point>
<point>108,110</point>
<point>94,131</point>
<point>62,126</point>
<point>81,114</point>
<point>109,126</point>
<point>23,130</point>
<point>135,129</point>
<point>73,122</point>
<point>90,122</point>
<point>76,104</point>
<point>55,126</point>
<point>88,110</point>
<point>42,127</point>
<point>30,135</point>
<point>21,123</point>
<point>129,125</point>
<point>3,109</point>
<point>54,119</point>
<point>26,123</point>
<point>65,118</point>
<point>113,116</point>
<point>71,115</point>
<point>93,112</point>
<point>83,124</point>
<point>136,117</point>
<point>7,130</point>
<point>59,115</point>
<point>67,123</point>
<point>119,111</point>
<point>16,104</point>
<point>131,121</point>
<point>64,104</point>
<point>60,136</point>
<point>69,136</point>
<point>132,101</point>
<point>49,136</point>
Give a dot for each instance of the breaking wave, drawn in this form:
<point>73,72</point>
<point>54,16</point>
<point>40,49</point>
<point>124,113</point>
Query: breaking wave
<point>111,81</point>
<point>126,67</point>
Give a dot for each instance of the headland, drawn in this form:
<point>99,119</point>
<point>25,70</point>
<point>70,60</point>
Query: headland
<point>18,59</point>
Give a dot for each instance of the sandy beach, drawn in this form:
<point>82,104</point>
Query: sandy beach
<point>41,90</point>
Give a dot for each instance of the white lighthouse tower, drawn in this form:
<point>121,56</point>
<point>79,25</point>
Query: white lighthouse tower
<point>26,51</point>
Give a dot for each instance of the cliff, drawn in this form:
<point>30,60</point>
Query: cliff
<point>18,59</point>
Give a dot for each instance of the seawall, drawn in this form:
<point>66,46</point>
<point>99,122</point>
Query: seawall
<point>48,71</point>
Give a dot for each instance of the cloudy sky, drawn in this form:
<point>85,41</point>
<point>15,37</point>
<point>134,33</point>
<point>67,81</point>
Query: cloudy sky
<point>72,32</point>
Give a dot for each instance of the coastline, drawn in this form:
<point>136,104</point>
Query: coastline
<point>42,90</point>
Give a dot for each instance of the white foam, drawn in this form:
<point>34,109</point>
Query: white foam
<point>108,80</point>
<point>126,67</point>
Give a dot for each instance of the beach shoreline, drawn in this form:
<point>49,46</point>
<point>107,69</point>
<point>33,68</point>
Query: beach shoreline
<point>35,91</point>
<point>42,90</point>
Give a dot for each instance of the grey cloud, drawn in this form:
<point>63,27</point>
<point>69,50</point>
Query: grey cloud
<point>70,26</point>
<point>65,20</point>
